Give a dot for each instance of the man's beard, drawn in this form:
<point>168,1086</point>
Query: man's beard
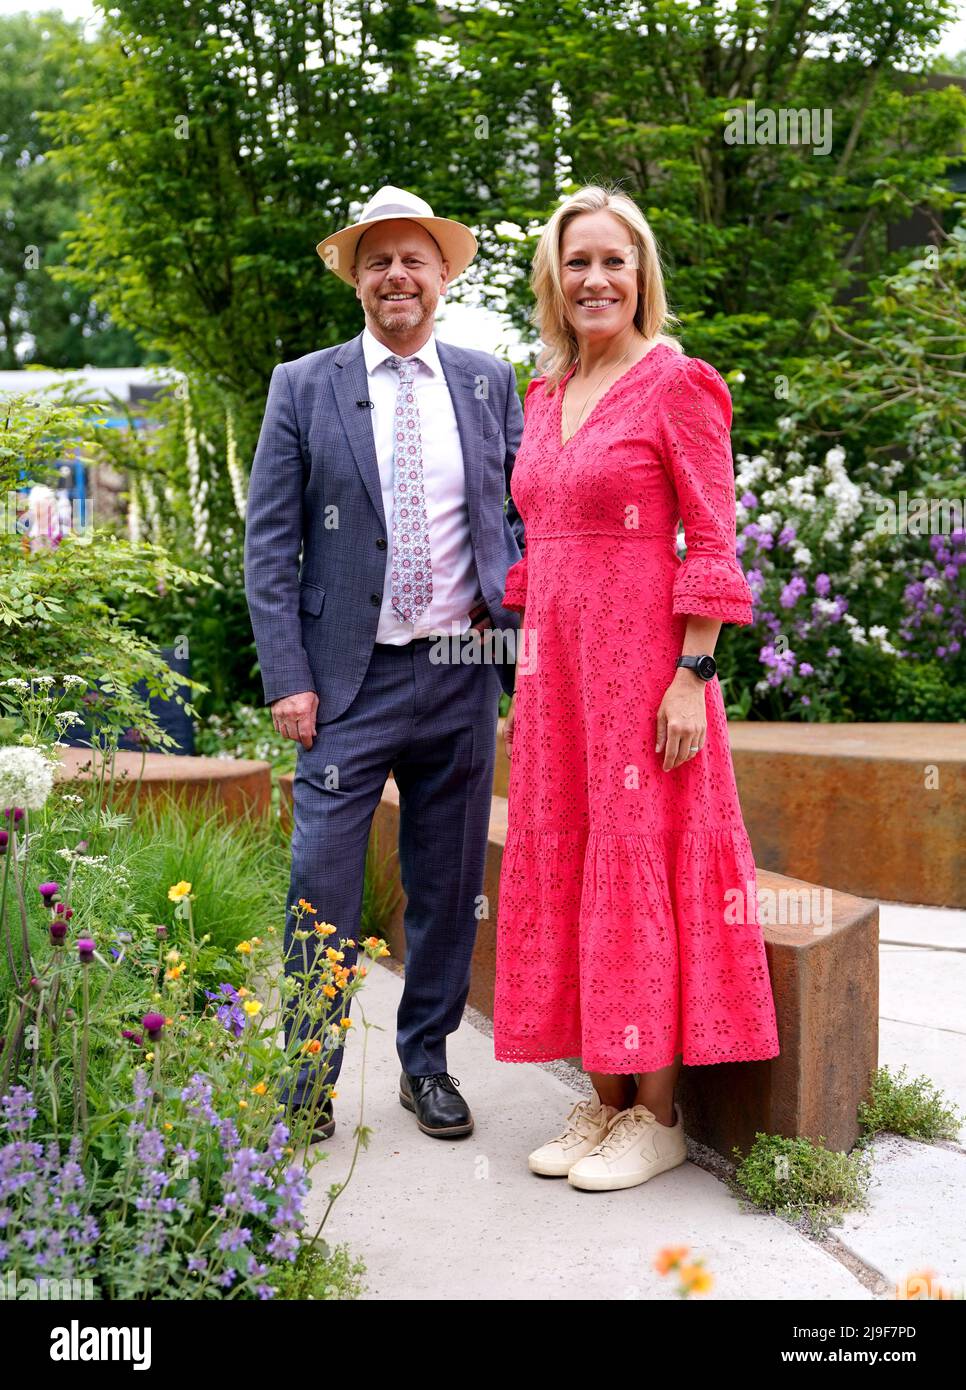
<point>394,320</point>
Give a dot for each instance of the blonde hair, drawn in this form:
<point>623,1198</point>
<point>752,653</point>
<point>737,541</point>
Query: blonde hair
<point>549,313</point>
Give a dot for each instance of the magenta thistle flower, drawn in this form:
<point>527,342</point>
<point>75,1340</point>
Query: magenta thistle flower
<point>85,949</point>
<point>152,1025</point>
<point>16,812</point>
<point>58,931</point>
<point>4,839</point>
<point>48,891</point>
<point>131,1036</point>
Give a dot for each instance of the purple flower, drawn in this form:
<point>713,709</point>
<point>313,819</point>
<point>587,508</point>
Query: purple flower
<point>48,891</point>
<point>806,669</point>
<point>787,534</point>
<point>748,499</point>
<point>792,591</point>
<point>152,1025</point>
<point>85,949</point>
<point>823,585</point>
<point>132,1036</point>
<point>58,930</point>
<point>16,811</point>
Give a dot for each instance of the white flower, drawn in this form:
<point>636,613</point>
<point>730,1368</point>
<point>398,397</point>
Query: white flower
<point>70,681</point>
<point>510,231</point>
<point>16,683</point>
<point>835,458</point>
<point>802,555</point>
<point>26,778</point>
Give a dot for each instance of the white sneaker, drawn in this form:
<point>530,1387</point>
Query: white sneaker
<point>636,1147</point>
<point>587,1124</point>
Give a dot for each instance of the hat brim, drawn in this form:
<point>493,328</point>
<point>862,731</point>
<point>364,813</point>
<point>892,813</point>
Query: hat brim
<point>455,241</point>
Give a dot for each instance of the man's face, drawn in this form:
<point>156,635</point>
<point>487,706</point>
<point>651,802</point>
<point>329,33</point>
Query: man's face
<point>399,275</point>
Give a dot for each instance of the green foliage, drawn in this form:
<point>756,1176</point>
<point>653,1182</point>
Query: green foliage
<point>69,607</point>
<point>916,1108</point>
<point>322,1273</point>
<point>42,319</point>
<point>802,1181</point>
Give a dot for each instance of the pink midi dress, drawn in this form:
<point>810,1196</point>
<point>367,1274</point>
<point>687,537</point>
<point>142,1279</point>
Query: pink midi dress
<point>627,928</point>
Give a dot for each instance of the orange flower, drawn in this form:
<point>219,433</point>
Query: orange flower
<point>329,991</point>
<point>345,1022</point>
<point>259,1089</point>
<point>307,905</point>
<point>312,1046</point>
<point>670,1256</point>
<point>324,928</point>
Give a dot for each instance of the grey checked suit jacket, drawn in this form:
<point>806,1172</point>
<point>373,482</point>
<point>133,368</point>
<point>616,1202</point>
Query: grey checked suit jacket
<point>316,541</point>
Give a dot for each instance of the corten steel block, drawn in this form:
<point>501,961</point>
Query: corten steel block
<point>242,786</point>
<point>826,989</point>
<point>873,809</point>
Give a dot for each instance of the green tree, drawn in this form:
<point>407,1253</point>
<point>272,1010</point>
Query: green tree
<point>42,320</point>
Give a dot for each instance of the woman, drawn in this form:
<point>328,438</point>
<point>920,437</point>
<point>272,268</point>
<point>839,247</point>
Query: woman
<point>626,848</point>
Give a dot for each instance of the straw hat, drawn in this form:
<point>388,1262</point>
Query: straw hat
<point>456,242</point>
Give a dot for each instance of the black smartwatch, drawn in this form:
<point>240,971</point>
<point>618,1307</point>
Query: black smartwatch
<point>704,666</point>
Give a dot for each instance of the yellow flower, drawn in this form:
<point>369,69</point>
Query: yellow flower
<point>168,1124</point>
<point>384,951</point>
<point>307,905</point>
<point>149,1056</point>
<point>329,991</point>
<point>345,1022</point>
<point>245,947</point>
<point>178,891</point>
<point>252,1007</point>
<point>324,928</point>
<point>348,941</point>
<point>333,954</point>
<point>243,1105</point>
<point>695,1279</point>
<point>259,1089</point>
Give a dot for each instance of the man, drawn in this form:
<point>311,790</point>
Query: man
<point>388,459</point>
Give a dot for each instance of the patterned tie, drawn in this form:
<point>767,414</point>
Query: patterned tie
<point>412,574</point>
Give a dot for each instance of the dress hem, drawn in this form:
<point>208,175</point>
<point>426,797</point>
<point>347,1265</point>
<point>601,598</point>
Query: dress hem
<point>610,1070</point>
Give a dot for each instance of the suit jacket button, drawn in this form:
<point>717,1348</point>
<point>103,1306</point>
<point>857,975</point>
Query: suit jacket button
<point>380,543</point>
<point>375,600</point>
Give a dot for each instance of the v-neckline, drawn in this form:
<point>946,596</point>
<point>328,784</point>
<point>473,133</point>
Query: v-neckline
<point>599,402</point>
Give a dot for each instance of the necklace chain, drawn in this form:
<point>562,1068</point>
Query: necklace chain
<point>571,433</point>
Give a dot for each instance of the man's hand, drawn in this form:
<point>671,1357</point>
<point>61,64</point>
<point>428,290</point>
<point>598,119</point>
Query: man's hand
<point>294,716</point>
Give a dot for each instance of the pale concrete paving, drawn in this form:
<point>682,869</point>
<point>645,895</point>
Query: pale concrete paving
<point>466,1219</point>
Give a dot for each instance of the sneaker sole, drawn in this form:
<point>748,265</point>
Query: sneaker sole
<point>547,1172</point>
<point>593,1183</point>
<point>450,1132</point>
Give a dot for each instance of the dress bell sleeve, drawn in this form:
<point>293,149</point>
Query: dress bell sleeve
<point>515,590</point>
<point>695,429</point>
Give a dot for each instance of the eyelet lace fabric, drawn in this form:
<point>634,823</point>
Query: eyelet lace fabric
<point>627,929</point>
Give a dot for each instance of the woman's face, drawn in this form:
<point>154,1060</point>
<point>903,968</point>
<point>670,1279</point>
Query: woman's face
<point>598,272</point>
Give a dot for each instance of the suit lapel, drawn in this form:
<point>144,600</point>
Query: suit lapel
<point>351,384</point>
<point>468,406</point>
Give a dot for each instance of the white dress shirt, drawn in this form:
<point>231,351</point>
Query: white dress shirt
<point>455,581</point>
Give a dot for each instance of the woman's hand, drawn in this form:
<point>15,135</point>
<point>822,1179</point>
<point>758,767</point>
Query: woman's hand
<point>508,727</point>
<point>682,723</point>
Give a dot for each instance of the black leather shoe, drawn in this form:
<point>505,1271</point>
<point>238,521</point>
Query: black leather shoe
<point>439,1110</point>
<point>323,1122</point>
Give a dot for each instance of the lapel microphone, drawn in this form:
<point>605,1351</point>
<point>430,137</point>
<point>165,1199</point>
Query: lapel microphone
<point>370,404</point>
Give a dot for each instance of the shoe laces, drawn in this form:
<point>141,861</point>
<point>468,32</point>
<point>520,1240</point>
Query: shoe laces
<point>442,1078</point>
<point>579,1122</point>
<point>620,1129</point>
